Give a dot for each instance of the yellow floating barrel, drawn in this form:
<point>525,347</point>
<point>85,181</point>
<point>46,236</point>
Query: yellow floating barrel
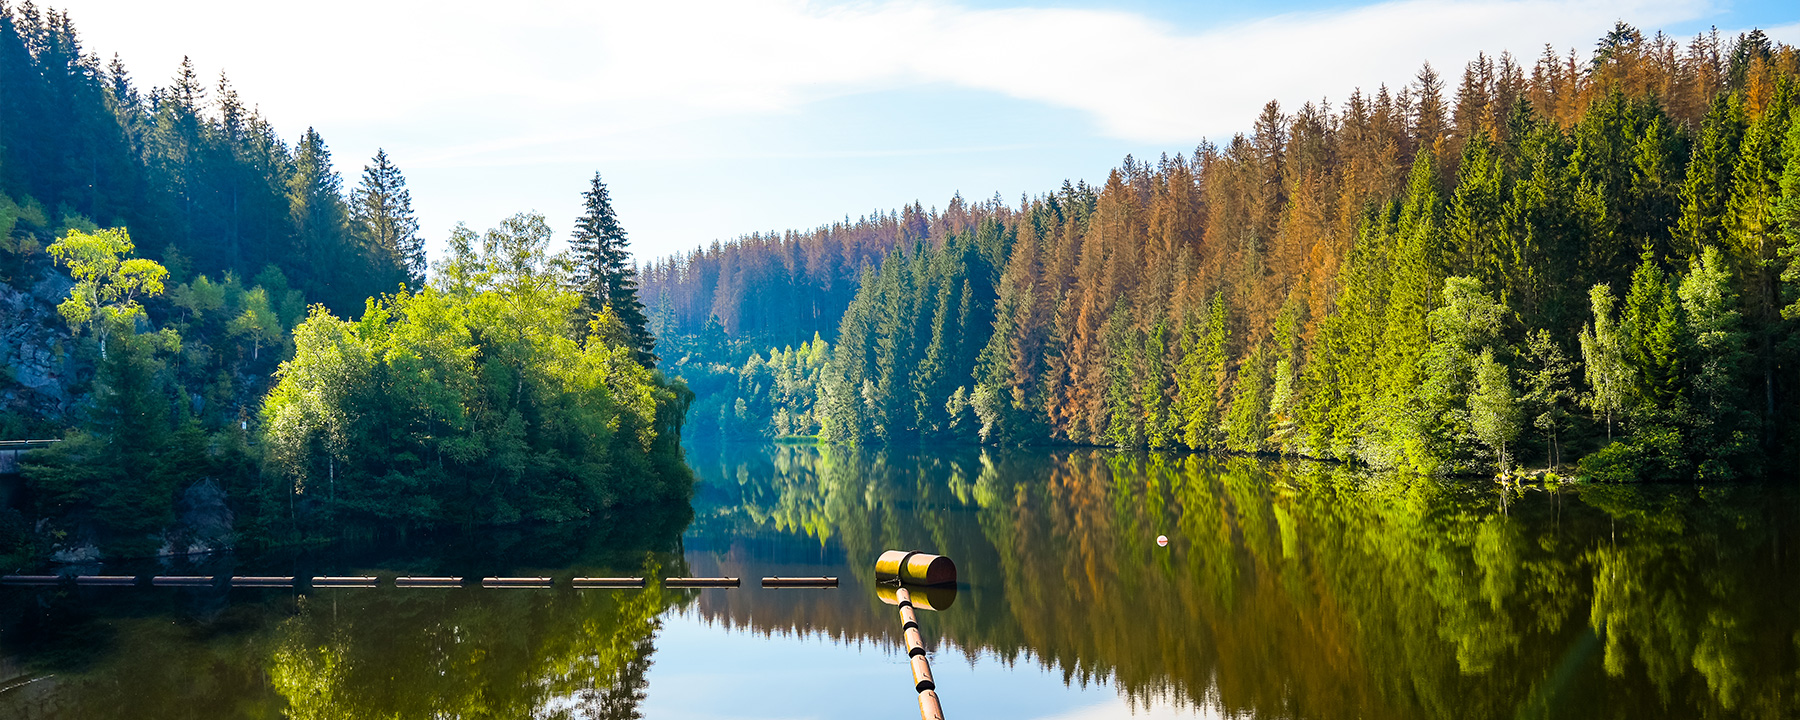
<point>915,568</point>
<point>923,598</point>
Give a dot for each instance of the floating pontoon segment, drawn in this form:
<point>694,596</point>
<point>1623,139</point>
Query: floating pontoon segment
<point>700,582</point>
<point>799,582</point>
<point>105,580</point>
<point>31,579</point>
<point>428,582</point>
<point>609,582</point>
<point>346,581</point>
<point>524,582</point>
<point>262,581</point>
<point>181,580</point>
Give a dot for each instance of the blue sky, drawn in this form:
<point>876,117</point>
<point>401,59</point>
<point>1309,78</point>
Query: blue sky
<point>718,118</point>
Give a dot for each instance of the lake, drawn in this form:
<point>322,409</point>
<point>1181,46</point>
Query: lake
<point>1287,589</point>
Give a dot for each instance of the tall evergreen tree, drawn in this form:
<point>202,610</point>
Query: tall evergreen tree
<point>322,224</point>
<point>604,274</point>
<point>381,207</point>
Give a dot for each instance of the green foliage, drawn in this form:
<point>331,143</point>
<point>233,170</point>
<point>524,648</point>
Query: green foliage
<point>1603,352</point>
<point>1548,388</point>
<point>1494,408</point>
<point>107,286</point>
<point>473,400</point>
<point>603,271</point>
<point>381,209</point>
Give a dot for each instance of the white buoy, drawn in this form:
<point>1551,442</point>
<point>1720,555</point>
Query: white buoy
<point>1162,541</point>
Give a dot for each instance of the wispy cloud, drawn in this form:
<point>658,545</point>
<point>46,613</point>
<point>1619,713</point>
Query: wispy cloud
<point>616,67</point>
<point>756,103</point>
<point>1140,79</point>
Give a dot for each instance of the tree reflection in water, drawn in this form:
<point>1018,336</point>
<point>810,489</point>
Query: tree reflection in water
<point>351,653</point>
<point>1288,590</point>
<point>1296,589</point>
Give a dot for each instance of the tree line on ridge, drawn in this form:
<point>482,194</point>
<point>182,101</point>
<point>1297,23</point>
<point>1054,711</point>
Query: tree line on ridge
<point>1576,259</point>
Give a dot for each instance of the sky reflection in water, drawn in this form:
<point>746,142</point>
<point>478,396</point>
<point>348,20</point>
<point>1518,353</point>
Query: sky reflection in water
<point>1288,590</point>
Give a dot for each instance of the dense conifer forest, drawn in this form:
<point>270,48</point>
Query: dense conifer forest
<point>1578,258</point>
<point>174,273</point>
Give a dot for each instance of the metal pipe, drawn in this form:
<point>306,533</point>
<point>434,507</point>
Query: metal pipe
<point>31,579</point>
<point>700,582</point>
<point>105,580</point>
<point>255,581</point>
<point>347,581</point>
<point>799,582</point>
<point>525,582</point>
<point>609,582</point>
<point>181,580</point>
<point>428,582</point>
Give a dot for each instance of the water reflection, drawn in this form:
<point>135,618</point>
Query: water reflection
<point>75,652</point>
<point>1290,590</point>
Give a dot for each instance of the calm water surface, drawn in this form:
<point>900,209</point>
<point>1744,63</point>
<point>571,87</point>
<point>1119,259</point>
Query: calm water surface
<point>1288,590</point>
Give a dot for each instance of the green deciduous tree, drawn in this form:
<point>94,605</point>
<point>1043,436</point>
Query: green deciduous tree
<point>1603,356</point>
<point>1548,387</point>
<point>1494,408</point>
<point>476,400</point>
<point>108,286</point>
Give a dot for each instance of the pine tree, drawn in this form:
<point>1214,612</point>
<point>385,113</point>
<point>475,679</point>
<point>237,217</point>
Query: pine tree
<point>604,274</point>
<point>1716,375</point>
<point>1652,333</point>
<point>381,207</point>
<point>328,263</point>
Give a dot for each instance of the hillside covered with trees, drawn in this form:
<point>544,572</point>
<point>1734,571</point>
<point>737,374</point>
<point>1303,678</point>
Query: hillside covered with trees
<point>1579,257</point>
<point>236,349</point>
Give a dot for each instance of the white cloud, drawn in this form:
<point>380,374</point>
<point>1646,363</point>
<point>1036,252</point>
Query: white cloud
<point>493,108</point>
<point>550,72</point>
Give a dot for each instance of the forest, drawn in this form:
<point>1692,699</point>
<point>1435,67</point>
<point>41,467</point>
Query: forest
<point>235,349</point>
<point>1583,262</point>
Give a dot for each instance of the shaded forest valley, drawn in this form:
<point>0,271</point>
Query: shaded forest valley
<point>236,350</point>
<point>1582,262</point>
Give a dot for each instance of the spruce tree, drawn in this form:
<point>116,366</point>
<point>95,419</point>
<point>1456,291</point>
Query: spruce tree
<point>604,274</point>
<point>381,208</point>
<point>322,226</point>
